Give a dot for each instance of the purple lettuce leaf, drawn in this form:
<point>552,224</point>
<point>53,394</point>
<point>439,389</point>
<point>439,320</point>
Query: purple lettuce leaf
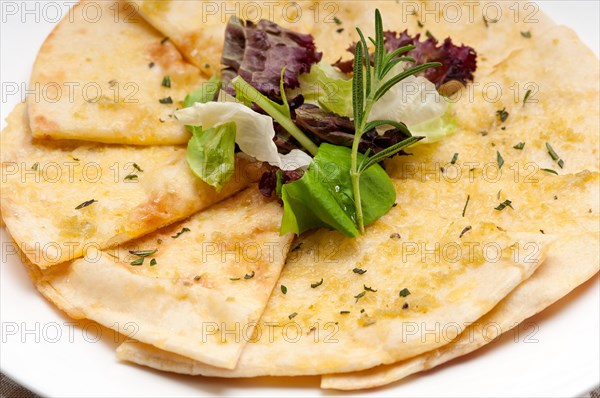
<point>322,127</point>
<point>458,62</point>
<point>258,53</point>
<point>268,181</point>
<point>327,127</point>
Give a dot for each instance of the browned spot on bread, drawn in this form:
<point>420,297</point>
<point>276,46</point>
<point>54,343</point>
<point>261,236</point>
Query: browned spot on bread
<point>42,125</point>
<point>167,56</point>
<point>155,212</point>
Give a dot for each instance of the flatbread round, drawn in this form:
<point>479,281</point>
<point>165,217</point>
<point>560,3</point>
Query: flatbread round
<point>101,76</point>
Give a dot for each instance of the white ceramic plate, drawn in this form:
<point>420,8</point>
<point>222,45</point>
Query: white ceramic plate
<point>555,354</point>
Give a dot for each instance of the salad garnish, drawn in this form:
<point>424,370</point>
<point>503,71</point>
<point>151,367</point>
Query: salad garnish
<point>323,132</point>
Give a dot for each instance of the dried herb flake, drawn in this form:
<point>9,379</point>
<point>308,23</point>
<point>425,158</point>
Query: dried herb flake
<point>85,204</point>
<point>316,284</point>
<point>502,114</point>
<point>503,205</point>
<point>178,234</point>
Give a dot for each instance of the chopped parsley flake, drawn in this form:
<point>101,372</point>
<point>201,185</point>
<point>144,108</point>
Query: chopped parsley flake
<point>344,312</point>
<point>35,166</point>
<point>369,289</point>
<point>143,253</point>
<point>488,21</point>
<point>292,315</point>
<point>316,284</point>
<point>166,82</point>
<point>502,115</point>
<point>138,168</point>
<point>178,234</point>
<point>503,205</point>
<point>337,21</point>
<point>250,275</point>
<point>500,159</point>
<point>551,152</point>
<point>464,231</point>
<point>138,261</point>
<point>454,158</point>
<point>359,271</point>
<point>166,100</point>
<point>163,41</point>
<point>527,94</point>
<point>466,204</point>
<point>360,295</point>
<point>404,292</point>
<point>283,289</point>
<point>153,263</point>
<point>85,204</point>
<point>519,146</point>
<point>131,177</point>
<point>550,171</point>
<point>526,35</point>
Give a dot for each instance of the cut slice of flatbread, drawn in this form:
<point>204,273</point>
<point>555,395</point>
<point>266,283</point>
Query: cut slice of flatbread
<point>566,206</point>
<point>558,112</point>
<point>195,288</point>
<point>105,75</point>
<point>349,303</point>
<point>59,199</point>
<point>572,261</point>
<point>198,27</point>
<point>487,26</point>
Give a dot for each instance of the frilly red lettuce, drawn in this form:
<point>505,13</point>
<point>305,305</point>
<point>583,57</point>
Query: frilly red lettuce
<point>259,52</point>
<point>458,62</point>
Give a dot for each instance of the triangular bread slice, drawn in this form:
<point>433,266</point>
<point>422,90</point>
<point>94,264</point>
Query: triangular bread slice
<point>196,288</point>
<point>572,260</point>
<point>59,199</point>
<point>105,75</point>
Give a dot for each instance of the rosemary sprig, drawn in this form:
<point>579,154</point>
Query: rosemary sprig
<point>368,86</point>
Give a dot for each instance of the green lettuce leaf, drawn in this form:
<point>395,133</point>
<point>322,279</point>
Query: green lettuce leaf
<point>207,92</point>
<point>436,129</point>
<point>210,154</point>
<point>323,196</point>
<point>328,88</point>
